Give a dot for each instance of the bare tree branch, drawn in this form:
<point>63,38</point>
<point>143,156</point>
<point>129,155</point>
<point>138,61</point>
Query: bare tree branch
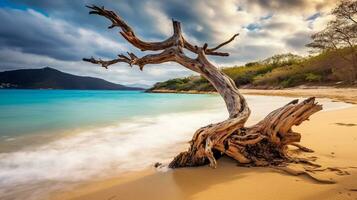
<point>104,63</point>
<point>165,56</point>
<point>224,43</point>
<point>128,33</point>
<point>346,9</point>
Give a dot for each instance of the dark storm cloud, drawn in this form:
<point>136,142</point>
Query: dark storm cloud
<point>298,40</point>
<point>185,12</point>
<point>36,36</point>
<point>133,11</point>
<point>292,5</point>
<point>31,32</point>
<point>33,36</point>
<point>276,4</point>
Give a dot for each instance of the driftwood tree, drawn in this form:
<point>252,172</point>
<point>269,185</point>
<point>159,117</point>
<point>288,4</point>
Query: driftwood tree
<point>265,143</point>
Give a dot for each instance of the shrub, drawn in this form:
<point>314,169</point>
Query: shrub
<point>285,70</point>
<point>311,77</point>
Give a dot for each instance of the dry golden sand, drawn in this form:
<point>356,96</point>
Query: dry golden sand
<point>332,134</point>
<point>340,94</point>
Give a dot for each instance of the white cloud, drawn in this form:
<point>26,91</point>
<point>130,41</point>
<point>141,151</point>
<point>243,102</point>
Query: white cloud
<point>163,23</point>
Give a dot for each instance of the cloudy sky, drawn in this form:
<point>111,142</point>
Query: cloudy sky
<point>58,34</point>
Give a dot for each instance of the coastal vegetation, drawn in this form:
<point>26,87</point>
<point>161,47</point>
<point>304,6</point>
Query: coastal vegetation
<point>279,71</point>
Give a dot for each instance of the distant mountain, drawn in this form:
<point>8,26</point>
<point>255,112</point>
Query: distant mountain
<point>49,78</point>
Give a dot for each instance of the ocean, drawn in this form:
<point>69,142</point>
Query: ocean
<point>53,139</point>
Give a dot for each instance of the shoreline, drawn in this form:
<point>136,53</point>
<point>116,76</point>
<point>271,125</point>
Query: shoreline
<point>348,95</point>
<point>181,92</point>
<point>333,139</point>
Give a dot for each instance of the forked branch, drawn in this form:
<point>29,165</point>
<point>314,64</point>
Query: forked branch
<point>106,63</point>
<point>175,40</point>
<point>165,56</point>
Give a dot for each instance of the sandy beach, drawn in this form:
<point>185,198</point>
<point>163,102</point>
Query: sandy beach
<point>331,134</point>
<point>348,95</point>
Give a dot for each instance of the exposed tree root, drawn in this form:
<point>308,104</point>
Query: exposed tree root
<point>265,143</point>
<point>302,148</point>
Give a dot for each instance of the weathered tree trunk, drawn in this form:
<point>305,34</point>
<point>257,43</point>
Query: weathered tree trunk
<point>262,144</point>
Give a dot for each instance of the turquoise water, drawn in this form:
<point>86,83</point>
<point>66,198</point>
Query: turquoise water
<point>47,111</point>
<point>55,139</point>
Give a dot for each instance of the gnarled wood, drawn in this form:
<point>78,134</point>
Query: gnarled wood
<point>265,143</point>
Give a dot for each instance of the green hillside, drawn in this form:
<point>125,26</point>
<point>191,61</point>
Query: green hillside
<point>279,71</point>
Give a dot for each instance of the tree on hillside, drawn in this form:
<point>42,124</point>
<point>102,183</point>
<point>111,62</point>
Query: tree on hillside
<point>265,143</point>
<point>340,33</point>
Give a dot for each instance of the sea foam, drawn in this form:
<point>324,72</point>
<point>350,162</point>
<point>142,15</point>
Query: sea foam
<point>103,152</point>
